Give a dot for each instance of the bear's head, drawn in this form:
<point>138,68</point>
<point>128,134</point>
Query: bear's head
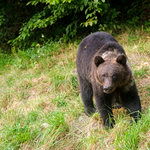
<point>111,72</point>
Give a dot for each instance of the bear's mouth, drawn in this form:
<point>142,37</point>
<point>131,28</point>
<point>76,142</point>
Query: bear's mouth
<point>108,90</point>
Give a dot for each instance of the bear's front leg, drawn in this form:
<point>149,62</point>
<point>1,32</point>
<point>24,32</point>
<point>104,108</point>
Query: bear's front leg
<point>87,96</point>
<point>103,103</point>
<point>131,102</point>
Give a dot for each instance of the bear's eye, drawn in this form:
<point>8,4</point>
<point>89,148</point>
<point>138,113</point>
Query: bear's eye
<point>114,76</point>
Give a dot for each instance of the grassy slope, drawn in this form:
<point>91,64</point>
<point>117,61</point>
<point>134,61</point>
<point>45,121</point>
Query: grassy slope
<point>41,106</point>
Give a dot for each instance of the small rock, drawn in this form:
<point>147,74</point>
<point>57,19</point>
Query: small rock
<point>45,125</point>
<point>146,64</point>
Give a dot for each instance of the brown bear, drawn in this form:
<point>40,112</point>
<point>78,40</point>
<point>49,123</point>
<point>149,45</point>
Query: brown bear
<point>104,72</point>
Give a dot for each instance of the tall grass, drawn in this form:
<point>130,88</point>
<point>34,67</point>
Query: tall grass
<point>41,106</point>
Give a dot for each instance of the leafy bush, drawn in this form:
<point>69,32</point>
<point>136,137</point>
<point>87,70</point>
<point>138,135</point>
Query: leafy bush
<point>26,22</point>
<point>65,18</point>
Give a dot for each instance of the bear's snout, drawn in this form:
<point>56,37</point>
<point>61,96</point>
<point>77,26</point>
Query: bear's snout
<point>108,89</point>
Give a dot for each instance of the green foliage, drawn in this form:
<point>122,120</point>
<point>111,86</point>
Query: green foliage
<point>5,59</point>
<point>12,15</point>
<point>89,12</point>
<point>2,18</point>
<point>24,22</point>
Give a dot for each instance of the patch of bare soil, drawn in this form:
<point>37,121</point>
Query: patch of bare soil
<point>84,125</point>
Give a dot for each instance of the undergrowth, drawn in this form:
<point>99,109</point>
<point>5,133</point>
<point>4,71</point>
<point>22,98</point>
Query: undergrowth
<point>41,107</point>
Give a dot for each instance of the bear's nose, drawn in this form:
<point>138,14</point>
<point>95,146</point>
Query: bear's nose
<point>106,88</point>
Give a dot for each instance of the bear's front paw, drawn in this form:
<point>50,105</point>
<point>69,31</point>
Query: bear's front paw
<point>90,110</point>
<point>109,124</point>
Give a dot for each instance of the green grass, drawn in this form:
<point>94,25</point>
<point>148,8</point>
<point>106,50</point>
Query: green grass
<point>41,106</point>
<point>141,72</point>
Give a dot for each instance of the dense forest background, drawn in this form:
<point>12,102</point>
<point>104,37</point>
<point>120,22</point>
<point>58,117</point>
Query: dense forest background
<point>26,23</point>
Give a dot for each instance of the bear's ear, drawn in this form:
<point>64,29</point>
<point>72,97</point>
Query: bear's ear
<point>98,60</point>
<point>121,59</point>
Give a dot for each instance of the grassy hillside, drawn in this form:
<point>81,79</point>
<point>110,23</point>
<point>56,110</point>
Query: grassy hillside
<point>41,107</point>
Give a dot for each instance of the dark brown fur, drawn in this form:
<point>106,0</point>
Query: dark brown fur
<point>105,73</point>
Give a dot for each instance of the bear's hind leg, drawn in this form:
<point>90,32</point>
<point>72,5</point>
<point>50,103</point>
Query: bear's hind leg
<point>87,96</point>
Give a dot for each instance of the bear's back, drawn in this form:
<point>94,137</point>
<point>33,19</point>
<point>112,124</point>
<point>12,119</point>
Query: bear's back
<point>95,41</point>
<point>92,43</point>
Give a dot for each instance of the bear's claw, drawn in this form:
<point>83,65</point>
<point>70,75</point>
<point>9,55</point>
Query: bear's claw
<point>90,110</point>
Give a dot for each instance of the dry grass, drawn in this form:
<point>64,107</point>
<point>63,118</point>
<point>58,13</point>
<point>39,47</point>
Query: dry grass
<point>48,96</point>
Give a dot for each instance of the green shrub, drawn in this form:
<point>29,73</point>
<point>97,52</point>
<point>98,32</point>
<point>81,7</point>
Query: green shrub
<point>30,22</point>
